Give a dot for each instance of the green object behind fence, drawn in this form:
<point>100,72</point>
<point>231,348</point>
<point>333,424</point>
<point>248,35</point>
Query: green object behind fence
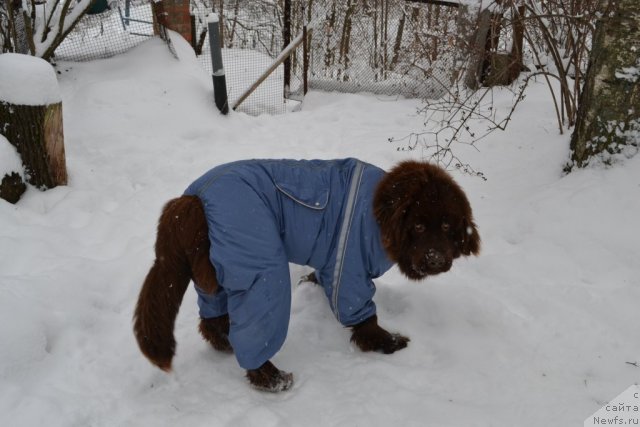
<point>98,6</point>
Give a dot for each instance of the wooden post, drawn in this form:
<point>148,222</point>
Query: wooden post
<point>31,114</point>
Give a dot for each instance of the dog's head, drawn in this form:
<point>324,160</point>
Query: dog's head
<point>425,219</point>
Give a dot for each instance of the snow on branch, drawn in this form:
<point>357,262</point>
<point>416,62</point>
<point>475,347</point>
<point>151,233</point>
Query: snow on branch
<point>48,23</point>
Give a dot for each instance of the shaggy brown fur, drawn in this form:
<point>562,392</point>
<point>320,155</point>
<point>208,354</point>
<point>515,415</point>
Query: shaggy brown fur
<point>369,336</point>
<point>182,254</point>
<point>216,331</point>
<point>269,378</point>
<point>425,220</point>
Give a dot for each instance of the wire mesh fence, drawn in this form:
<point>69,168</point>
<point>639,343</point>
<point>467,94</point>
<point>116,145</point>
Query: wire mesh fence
<point>251,35</point>
<point>115,29</point>
<point>389,47</point>
<point>243,67</point>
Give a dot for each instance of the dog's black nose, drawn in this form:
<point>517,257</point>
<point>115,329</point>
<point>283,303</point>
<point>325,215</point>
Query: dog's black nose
<point>435,259</point>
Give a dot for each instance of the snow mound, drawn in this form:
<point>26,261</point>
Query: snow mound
<point>27,80</point>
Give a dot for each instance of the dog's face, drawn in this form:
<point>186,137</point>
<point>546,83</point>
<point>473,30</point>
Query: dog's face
<point>425,219</point>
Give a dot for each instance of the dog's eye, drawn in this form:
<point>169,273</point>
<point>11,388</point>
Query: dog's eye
<point>419,228</point>
<point>445,226</point>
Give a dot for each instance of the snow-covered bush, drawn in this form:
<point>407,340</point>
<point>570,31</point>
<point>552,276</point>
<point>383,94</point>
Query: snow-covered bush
<point>38,27</point>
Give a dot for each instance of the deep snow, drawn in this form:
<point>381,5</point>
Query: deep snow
<point>540,330</point>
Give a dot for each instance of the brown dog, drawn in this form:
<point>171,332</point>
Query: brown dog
<point>425,221</point>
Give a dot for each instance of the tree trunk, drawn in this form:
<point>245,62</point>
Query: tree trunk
<point>222,22</point>
<point>329,53</point>
<point>385,38</point>
<point>435,41</point>
<point>232,32</point>
<point>286,39</point>
<point>375,39</point>
<point>608,120</point>
<point>16,30</point>
<point>398,44</point>
<point>478,50</point>
<point>518,17</point>
<point>345,39</point>
<point>36,132</point>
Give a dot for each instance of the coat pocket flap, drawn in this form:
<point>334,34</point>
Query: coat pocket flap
<point>306,194</point>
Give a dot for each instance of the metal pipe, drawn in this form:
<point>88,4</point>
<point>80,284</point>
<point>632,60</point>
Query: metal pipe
<point>217,75</point>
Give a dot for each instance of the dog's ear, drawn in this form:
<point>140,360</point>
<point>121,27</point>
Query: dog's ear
<point>390,210</point>
<point>390,207</point>
<point>470,238</point>
<point>392,199</point>
<point>397,190</point>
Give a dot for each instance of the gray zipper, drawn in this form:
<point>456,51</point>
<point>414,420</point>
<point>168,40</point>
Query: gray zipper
<point>354,187</point>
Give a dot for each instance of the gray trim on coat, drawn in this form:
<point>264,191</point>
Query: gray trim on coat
<point>354,187</point>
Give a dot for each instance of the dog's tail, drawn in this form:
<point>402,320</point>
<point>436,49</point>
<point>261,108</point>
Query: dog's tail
<point>182,254</point>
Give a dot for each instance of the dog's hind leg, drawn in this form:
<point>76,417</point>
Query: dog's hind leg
<point>216,331</point>
<point>164,287</point>
<point>196,239</point>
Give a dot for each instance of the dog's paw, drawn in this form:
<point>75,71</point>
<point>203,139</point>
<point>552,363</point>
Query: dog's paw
<point>309,278</point>
<point>369,336</point>
<point>397,342</point>
<point>270,379</point>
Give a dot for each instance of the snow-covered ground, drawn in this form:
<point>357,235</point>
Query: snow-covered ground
<point>540,330</point>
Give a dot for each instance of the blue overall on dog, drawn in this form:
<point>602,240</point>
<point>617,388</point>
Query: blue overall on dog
<point>263,214</point>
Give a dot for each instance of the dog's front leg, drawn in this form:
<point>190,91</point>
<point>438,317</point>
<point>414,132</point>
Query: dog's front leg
<point>369,336</point>
<point>269,378</point>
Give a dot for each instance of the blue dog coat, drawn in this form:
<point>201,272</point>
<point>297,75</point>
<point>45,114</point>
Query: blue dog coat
<point>263,214</point>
